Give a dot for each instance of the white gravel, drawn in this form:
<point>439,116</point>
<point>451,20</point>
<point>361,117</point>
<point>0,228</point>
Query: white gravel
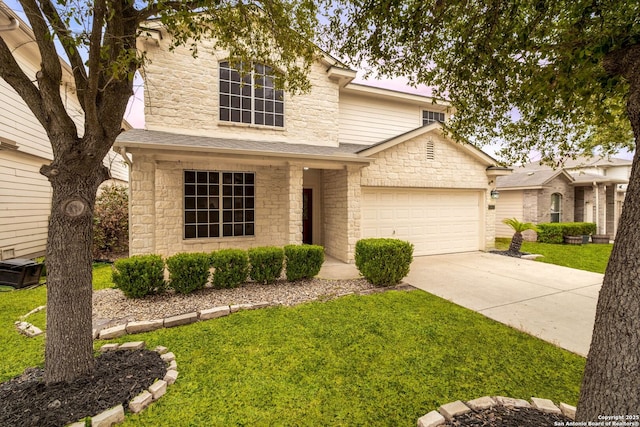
<point>112,305</point>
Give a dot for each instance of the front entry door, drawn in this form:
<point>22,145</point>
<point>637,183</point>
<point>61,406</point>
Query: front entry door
<point>307,223</point>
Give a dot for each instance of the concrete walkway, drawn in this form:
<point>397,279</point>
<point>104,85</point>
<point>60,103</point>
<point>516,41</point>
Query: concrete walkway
<point>557,304</point>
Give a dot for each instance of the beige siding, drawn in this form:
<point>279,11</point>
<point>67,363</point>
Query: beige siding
<point>173,106</point>
<point>509,205</point>
<point>368,120</point>
<point>25,203</point>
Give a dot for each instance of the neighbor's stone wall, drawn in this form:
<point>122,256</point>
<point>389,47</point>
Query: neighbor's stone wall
<point>157,197</point>
<point>557,185</point>
<point>182,96</point>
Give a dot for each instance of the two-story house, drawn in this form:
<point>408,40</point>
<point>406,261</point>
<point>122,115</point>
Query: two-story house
<point>25,194</point>
<point>585,189</point>
<point>229,160</point>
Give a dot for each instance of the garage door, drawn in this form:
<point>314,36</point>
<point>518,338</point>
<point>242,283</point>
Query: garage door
<point>435,221</point>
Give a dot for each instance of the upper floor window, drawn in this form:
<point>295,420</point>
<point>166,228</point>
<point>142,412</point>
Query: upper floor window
<point>556,207</point>
<point>429,117</point>
<point>250,97</point>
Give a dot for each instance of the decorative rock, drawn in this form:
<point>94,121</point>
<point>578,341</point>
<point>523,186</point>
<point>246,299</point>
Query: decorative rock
<point>77,424</point>
<point>257,305</point>
<point>109,347</point>
<point>161,349</point>
<point>173,365</point>
<point>568,410</point>
<point>95,333</point>
<point>237,307</point>
<point>115,332</point>
<point>215,312</point>
<point>432,419</point>
<point>484,402</point>
<point>511,402</point>
<point>182,319</point>
<point>144,326</point>
<point>109,417</point>
<point>158,389</point>
<point>171,376</point>
<point>140,402</point>
<point>545,405</point>
<point>133,345</point>
<point>452,409</point>
<point>168,357</point>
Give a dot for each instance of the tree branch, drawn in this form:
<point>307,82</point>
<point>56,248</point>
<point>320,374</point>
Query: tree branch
<point>95,71</point>
<point>11,72</point>
<point>69,44</point>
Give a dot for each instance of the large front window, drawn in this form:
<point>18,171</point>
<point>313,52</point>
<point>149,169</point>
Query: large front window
<point>429,117</point>
<point>218,204</point>
<point>556,207</point>
<point>250,96</point>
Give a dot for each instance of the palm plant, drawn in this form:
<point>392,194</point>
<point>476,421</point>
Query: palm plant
<point>518,227</point>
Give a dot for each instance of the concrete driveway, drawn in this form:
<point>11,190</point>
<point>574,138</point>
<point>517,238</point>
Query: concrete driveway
<point>556,304</point>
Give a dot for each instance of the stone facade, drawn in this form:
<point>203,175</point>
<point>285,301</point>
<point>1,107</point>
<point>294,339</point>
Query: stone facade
<point>193,108</point>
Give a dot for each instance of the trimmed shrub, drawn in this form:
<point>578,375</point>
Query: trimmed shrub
<point>383,262</point>
<point>303,261</point>
<point>139,275</point>
<point>111,222</point>
<point>266,263</point>
<point>231,268</point>
<point>188,271</point>
<point>553,232</point>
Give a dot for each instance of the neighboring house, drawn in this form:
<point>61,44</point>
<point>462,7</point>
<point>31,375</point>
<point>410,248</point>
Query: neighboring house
<point>25,195</point>
<point>587,189</point>
<point>231,161</point>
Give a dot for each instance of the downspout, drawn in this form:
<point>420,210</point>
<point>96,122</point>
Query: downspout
<point>12,25</point>
<point>597,213</point>
<point>604,216</point>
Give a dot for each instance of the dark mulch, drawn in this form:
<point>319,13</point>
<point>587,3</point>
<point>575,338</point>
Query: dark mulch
<point>503,416</point>
<point>510,253</point>
<point>119,377</point>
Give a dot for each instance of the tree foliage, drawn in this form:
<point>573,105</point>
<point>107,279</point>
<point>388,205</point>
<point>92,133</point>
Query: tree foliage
<point>98,38</point>
<point>530,73</point>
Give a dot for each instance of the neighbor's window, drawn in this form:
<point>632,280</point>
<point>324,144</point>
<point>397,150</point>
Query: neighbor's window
<point>218,204</point>
<point>556,207</point>
<point>250,97</point>
<point>429,117</point>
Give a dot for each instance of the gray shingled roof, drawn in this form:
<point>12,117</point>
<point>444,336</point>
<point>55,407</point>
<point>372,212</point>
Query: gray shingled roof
<point>583,162</point>
<point>525,179</point>
<point>156,138</point>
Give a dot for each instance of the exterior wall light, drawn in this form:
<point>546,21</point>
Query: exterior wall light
<point>495,194</point>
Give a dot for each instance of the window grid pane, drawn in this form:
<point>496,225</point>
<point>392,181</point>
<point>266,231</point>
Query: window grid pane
<point>429,117</point>
<point>250,98</point>
<point>218,204</point>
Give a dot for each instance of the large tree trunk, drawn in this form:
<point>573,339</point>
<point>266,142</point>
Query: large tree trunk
<point>611,383</point>
<point>69,340</point>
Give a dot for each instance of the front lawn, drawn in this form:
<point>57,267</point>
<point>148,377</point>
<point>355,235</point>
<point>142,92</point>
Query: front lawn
<point>589,257</point>
<point>383,359</point>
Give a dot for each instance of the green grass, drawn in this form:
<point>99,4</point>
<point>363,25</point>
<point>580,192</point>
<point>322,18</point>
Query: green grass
<point>102,276</point>
<point>383,359</point>
<point>587,257</point>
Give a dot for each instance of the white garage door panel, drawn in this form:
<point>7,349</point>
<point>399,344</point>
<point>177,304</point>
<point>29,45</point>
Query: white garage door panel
<point>435,221</point>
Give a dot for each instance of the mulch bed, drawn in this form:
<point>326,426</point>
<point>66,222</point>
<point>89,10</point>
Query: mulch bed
<point>503,416</point>
<point>510,253</point>
<point>119,377</point>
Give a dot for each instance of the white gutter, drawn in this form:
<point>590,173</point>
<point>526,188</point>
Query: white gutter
<point>123,153</point>
<point>604,217</point>
<point>12,25</point>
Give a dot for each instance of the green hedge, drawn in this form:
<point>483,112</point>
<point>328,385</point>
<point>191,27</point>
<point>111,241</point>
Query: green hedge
<point>303,261</point>
<point>553,232</point>
<point>188,272</point>
<point>139,275</point>
<point>383,262</point>
<point>266,263</point>
<point>231,268</point>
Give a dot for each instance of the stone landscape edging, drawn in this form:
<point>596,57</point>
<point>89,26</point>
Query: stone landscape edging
<point>115,415</point>
<point>447,412</point>
<point>140,326</point>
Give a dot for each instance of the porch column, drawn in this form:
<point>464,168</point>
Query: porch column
<point>354,211</point>
<point>294,203</point>
<point>142,206</point>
